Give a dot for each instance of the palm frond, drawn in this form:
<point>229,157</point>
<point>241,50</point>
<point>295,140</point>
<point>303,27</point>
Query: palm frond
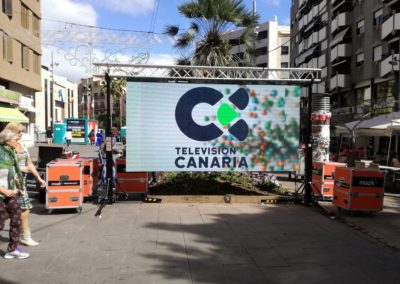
<point>171,30</point>
<point>210,19</point>
<point>184,41</point>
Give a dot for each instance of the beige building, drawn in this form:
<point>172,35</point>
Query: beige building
<point>55,107</point>
<point>90,89</point>
<point>20,59</point>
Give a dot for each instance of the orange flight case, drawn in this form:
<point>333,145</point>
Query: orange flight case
<point>359,189</point>
<point>89,175</point>
<point>323,178</point>
<point>129,182</point>
<point>64,184</point>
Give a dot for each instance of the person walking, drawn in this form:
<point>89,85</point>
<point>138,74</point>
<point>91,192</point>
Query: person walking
<point>11,180</point>
<point>99,138</point>
<point>26,165</point>
<point>92,137</point>
<point>68,138</point>
<point>49,136</point>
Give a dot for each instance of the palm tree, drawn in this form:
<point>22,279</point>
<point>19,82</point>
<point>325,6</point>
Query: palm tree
<point>118,90</point>
<point>210,19</point>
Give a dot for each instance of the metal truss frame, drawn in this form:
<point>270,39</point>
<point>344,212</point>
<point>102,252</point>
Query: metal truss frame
<point>178,73</point>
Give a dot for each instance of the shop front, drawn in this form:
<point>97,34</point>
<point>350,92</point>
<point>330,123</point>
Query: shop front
<point>9,112</point>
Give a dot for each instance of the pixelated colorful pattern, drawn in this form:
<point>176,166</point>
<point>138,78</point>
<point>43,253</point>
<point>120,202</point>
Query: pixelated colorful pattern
<point>273,118</point>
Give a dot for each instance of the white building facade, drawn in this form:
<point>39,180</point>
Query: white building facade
<point>55,106</point>
<point>272,45</point>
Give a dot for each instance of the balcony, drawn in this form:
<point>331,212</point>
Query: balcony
<point>386,67</point>
<point>340,81</point>
<point>341,36</point>
<point>318,88</point>
<point>340,51</point>
<point>390,26</point>
<point>341,20</point>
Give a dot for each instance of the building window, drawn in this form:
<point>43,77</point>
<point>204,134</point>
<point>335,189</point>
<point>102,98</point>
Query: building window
<point>377,55</point>
<point>378,17</point>
<point>360,59</point>
<point>35,25</point>
<point>284,64</point>
<point>360,27</point>
<point>7,7</point>
<point>262,51</point>
<point>7,48</point>
<point>262,34</point>
<point>285,50</point>
<point>24,16</point>
<point>234,42</point>
<point>36,63</point>
<point>25,57</point>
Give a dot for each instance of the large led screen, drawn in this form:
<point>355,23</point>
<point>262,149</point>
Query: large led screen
<point>212,127</point>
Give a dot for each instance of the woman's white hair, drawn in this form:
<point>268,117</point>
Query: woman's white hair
<point>6,135</point>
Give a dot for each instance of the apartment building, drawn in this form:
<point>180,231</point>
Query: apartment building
<point>356,44</point>
<point>272,45</point>
<point>55,106</point>
<point>93,102</point>
<point>20,57</point>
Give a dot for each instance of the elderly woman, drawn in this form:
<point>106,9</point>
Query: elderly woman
<point>10,181</point>
<point>26,166</point>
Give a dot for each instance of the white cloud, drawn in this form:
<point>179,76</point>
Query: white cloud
<point>132,7</point>
<point>54,15</point>
<point>69,44</point>
<point>162,59</point>
<point>67,11</point>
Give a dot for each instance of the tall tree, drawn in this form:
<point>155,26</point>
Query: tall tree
<point>209,20</point>
<point>118,91</point>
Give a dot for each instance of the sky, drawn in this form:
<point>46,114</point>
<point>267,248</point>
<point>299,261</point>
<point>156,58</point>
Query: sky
<point>68,26</point>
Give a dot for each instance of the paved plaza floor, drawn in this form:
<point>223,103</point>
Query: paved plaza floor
<point>137,242</point>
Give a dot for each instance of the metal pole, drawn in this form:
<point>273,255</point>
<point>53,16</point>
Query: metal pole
<point>255,34</point>
<point>52,92</point>
<point>397,79</point>
<point>308,148</point>
<point>109,153</point>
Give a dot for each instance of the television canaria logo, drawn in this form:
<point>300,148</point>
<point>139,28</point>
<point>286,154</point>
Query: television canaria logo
<point>214,157</point>
<point>225,114</point>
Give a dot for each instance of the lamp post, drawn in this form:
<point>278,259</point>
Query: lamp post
<point>396,61</point>
<point>52,91</point>
<point>255,31</point>
<point>109,153</point>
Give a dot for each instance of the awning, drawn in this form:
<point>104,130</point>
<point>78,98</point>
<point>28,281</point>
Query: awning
<point>300,59</point>
<point>10,114</point>
<point>28,108</point>
<point>383,125</point>
<point>339,37</point>
<point>9,96</point>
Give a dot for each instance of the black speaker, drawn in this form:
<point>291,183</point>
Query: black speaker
<point>47,154</point>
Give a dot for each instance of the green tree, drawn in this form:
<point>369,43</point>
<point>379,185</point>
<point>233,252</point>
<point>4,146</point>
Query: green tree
<point>209,20</point>
<point>118,92</point>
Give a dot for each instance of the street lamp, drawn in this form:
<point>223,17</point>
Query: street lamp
<point>396,61</point>
<point>255,33</point>
<point>51,92</point>
<point>86,93</point>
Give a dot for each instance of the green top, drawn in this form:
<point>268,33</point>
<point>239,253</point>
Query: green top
<point>9,169</point>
